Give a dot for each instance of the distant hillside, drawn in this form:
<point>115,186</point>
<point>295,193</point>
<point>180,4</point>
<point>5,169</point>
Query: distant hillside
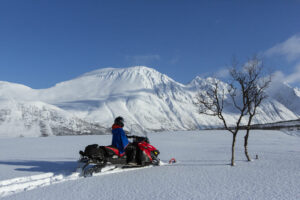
<point>18,119</point>
<point>282,125</point>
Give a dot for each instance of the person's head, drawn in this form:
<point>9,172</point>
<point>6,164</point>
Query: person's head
<point>119,121</point>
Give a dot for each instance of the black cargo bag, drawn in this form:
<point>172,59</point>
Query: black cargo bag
<point>93,151</point>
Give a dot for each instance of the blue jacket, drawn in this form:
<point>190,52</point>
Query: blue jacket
<point>119,138</point>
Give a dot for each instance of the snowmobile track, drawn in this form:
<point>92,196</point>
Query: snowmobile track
<point>16,185</point>
<point>22,184</point>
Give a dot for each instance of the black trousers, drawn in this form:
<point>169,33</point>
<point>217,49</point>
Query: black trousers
<point>131,151</point>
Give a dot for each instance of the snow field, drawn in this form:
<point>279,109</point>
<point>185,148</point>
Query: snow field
<point>202,170</point>
<point>22,184</point>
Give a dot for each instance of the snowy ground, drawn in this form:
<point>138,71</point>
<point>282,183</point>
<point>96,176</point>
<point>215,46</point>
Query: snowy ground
<point>43,168</point>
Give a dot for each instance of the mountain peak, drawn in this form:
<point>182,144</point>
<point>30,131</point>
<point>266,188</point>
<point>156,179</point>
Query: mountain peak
<point>134,77</point>
<point>110,71</point>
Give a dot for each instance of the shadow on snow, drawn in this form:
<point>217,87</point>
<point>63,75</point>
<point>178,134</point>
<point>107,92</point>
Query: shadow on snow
<point>56,167</point>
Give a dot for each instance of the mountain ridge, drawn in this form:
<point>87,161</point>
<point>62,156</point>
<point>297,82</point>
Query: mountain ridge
<point>143,96</point>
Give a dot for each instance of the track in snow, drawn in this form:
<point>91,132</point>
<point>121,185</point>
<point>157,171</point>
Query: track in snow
<point>21,184</point>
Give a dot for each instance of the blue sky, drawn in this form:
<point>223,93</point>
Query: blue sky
<point>44,42</point>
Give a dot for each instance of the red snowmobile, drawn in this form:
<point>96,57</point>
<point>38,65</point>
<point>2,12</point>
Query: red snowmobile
<point>94,158</point>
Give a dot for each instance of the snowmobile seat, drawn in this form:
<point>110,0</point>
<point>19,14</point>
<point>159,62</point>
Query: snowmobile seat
<point>112,150</point>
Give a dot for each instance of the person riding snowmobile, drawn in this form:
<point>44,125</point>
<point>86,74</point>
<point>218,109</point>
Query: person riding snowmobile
<point>120,140</point>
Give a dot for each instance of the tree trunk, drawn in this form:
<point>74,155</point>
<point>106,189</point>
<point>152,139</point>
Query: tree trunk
<point>247,135</point>
<point>232,149</point>
<point>246,144</point>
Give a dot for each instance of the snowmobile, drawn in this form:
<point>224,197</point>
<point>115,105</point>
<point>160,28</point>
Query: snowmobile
<point>94,157</point>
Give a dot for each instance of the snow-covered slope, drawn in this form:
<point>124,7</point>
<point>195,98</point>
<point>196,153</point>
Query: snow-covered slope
<point>286,95</point>
<point>19,119</point>
<point>146,97</point>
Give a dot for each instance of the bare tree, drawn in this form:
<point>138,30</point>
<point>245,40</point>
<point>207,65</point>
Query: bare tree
<point>211,102</point>
<point>256,93</point>
<point>246,92</point>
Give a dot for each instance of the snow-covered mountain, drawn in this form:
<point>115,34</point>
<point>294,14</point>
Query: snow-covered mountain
<point>142,96</point>
<point>18,119</point>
